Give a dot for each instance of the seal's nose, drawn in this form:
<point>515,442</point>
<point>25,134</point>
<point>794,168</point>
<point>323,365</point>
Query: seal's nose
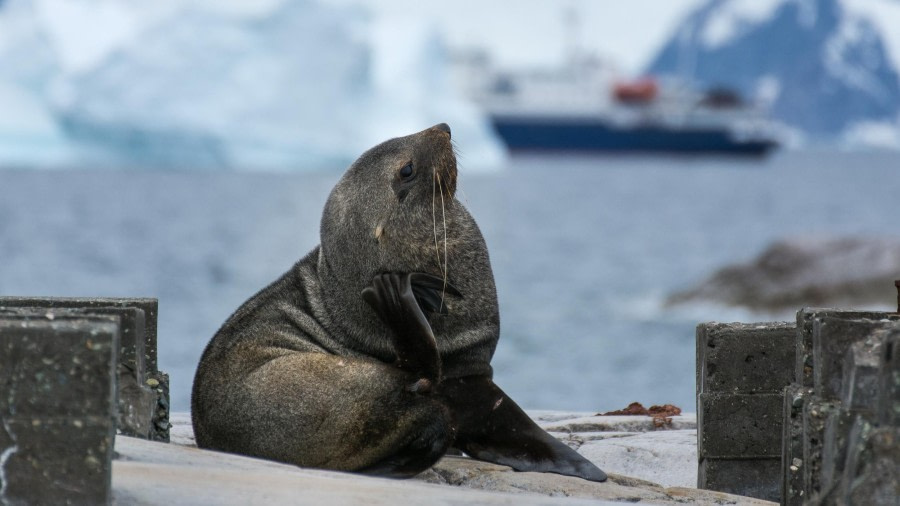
<point>443,127</point>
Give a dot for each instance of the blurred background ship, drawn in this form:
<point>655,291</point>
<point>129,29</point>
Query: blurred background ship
<point>583,106</point>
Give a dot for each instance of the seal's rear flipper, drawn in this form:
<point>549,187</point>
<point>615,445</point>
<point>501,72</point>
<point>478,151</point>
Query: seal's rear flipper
<point>492,427</point>
<point>420,453</point>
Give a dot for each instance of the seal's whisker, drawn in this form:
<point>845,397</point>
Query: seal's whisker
<point>461,194</point>
<point>446,259</point>
<point>434,187</point>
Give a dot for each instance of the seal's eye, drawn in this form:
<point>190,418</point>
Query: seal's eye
<point>407,171</point>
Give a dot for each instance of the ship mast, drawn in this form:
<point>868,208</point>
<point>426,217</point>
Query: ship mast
<point>572,29</point>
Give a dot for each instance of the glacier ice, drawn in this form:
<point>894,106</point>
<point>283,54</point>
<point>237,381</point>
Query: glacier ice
<point>733,17</point>
<point>836,65</point>
<point>206,85</point>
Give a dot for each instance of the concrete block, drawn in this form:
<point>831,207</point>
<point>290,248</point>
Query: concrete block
<point>795,398</point>
<point>56,460</point>
<point>136,401</point>
<point>149,306</point>
<point>859,382</point>
<point>159,382</point>
<point>745,358</point>
<point>857,454</point>
<point>146,392</point>
<point>759,478</point>
<point>834,446</point>
<point>815,414</point>
<point>878,482</point>
<point>739,425</point>
<point>58,409</point>
<point>889,380</point>
<point>832,338</point>
<point>803,370</point>
<point>58,366</point>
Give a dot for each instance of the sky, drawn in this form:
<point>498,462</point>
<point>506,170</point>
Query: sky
<point>528,33</point>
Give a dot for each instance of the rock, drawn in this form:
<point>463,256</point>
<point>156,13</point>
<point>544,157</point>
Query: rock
<point>475,474</point>
<point>792,273</point>
<point>645,464</point>
<point>181,431</point>
<point>157,473</point>
<point>668,458</point>
<point>583,422</point>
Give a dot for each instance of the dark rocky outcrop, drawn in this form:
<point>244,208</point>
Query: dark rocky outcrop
<point>820,272</point>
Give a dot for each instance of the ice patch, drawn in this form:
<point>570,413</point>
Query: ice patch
<point>29,135</point>
<point>768,89</point>
<point>734,18</point>
<point>808,13</point>
<point>885,15</point>
<point>84,33</point>
<point>711,311</point>
<point>873,134</point>
<point>850,55</point>
<point>652,307</point>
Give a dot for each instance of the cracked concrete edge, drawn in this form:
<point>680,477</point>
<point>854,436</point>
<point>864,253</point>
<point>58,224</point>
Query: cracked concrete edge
<point>182,435</point>
<point>562,425</point>
<point>156,473</point>
<point>614,423</point>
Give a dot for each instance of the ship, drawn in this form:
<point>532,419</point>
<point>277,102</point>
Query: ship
<point>582,106</point>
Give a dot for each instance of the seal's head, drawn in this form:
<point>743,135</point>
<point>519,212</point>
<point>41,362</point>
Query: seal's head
<point>400,174</point>
<point>393,208</point>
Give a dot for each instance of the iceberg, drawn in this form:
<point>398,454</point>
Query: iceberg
<point>274,85</point>
<point>29,135</point>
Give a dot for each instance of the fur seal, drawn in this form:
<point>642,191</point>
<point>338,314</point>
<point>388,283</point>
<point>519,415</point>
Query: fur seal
<point>372,353</point>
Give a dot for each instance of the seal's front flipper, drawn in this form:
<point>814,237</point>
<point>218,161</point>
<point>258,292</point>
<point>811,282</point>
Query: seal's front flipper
<point>492,427</point>
<point>391,296</point>
<point>430,291</point>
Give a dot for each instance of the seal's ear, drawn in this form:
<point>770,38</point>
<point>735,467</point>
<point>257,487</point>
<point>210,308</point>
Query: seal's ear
<point>430,290</point>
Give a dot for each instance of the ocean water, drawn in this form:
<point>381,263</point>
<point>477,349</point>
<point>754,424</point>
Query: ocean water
<point>584,251</point>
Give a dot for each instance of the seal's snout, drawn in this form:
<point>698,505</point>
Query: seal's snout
<point>443,127</point>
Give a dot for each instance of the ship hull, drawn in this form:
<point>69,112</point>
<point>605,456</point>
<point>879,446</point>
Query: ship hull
<point>598,135</point>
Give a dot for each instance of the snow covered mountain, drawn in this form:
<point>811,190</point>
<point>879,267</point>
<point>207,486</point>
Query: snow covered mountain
<point>830,68</point>
<point>270,84</point>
